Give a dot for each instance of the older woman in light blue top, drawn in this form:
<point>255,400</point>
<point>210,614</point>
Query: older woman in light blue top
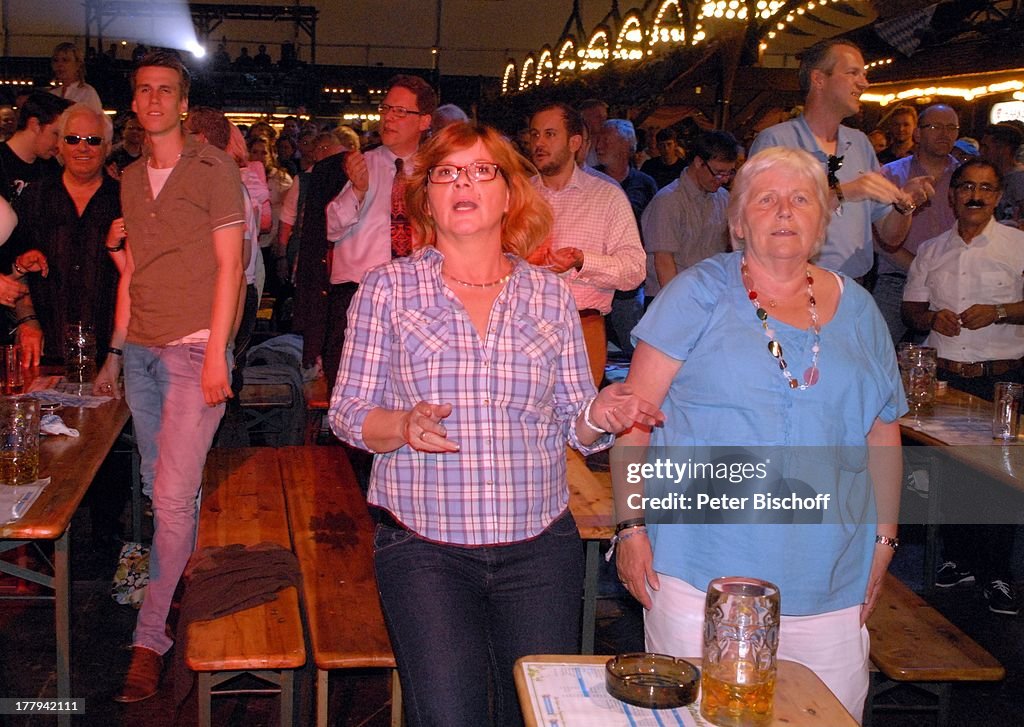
<point>761,349</point>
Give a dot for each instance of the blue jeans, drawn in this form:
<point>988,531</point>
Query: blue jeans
<point>174,428</point>
<point>460,617</point>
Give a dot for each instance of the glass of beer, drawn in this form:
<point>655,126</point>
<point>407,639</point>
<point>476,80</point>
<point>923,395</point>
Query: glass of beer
<point>741,639</point>
<point>13,382</point>
<point>79,352</point>
<point>19,441</point>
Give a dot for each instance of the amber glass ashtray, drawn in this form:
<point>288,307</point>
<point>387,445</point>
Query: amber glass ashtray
<point>653,681</point>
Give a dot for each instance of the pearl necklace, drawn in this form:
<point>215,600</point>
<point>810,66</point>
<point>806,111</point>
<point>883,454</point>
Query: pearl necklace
<point>500,281</point>
<point>811,374</point>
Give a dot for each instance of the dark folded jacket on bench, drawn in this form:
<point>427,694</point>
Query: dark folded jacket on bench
<point>223,580</point>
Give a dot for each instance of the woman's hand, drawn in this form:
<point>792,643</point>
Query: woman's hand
<point>617,409</point>
<point>422,429</point>
<point>635,563</point>
<point>106,378</point>
<point>33,261</point>
<point>29,338</point>
<point>879,565</point>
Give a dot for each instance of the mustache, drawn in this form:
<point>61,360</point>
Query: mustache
<point>974,204</point>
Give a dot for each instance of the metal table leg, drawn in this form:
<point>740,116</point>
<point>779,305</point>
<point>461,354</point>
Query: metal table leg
<point>589,622</point>
<point>62,609</point>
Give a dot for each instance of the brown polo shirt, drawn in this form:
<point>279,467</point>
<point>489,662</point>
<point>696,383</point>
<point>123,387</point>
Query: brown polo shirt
<point>171,239</point>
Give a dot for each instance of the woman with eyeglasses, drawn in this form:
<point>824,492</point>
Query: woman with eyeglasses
<point>464,370</point>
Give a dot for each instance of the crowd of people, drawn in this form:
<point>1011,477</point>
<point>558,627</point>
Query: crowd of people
<point>459,293</point>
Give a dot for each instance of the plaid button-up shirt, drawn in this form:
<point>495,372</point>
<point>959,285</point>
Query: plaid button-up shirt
<point>515,396</point>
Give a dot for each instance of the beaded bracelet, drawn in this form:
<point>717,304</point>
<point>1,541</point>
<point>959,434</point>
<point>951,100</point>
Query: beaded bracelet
<point>20,270</point>
<point>115,351</point>
<point>617,538</point>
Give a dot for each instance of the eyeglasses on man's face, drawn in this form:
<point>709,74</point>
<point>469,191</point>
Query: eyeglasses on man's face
<point>75,140</point>
<point>477,171</point>
<point>972,187</point>
<point>400,112</point>
<point>720,175</point>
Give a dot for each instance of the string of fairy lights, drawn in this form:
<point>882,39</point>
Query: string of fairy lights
<point>638,38</point>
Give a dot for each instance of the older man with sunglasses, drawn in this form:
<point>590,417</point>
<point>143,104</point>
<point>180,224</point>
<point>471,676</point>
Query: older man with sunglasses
<point>68,219</point>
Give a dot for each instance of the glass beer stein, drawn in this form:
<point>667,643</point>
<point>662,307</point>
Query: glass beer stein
<point>741,639</point>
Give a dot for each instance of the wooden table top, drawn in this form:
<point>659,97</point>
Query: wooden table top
<point>801,698</point>
<point>962,425</point>
<point>590,498</point>
<point>70,463</point>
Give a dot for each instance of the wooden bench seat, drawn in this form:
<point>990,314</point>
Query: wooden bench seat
<point>912,643</point>
<point>332,534</point>
<point>243,502</point>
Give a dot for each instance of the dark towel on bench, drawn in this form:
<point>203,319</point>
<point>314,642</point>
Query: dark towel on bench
<point>224,580</point>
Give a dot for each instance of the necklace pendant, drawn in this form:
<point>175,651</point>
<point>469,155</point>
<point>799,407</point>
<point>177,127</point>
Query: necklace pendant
<point>811,376</point>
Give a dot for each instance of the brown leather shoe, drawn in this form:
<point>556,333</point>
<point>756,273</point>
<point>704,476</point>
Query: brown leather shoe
<point>143,677</point>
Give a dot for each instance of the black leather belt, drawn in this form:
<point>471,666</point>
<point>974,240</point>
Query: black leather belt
<point>977,369</point>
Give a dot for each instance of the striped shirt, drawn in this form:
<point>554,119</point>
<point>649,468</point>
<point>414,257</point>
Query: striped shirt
<point>595,216</point>
<point>515,396</point>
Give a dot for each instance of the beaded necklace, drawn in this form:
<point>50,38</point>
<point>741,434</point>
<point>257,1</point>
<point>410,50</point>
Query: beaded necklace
<point>811,374</point>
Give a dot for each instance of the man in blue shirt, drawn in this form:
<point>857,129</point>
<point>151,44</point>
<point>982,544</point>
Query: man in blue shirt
<point>833,79</point>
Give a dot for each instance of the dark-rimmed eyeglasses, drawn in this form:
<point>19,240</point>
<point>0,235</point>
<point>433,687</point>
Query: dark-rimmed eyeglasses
<point>477,171</point>
<point>400,112</point>
<point>720,176</point>
<point>972,187</point>
<point>75,140</point>
<point>832,167</point>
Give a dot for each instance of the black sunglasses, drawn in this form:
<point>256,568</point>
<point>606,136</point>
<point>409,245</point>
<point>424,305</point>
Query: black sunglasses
<point>75,140</point>
<point>834,165</point>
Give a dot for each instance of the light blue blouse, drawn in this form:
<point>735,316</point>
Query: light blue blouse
<point>730,392</point>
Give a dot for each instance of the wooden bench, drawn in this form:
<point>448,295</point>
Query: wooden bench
<point>912,643</point>
<point>332,534</point>
<point>243,502</point>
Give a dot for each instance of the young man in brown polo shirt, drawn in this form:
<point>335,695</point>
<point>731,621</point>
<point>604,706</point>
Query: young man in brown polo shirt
<point>176,314</point>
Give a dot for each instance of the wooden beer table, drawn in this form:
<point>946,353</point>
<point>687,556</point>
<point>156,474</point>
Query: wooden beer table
<point>70,463</point>
<point>801,698</point>
<point>959,425</point>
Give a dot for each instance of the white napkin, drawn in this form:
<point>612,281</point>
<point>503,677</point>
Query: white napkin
<point>53,424</point>
<point>16,501</point>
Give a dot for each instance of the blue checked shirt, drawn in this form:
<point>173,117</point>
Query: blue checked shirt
<point>515,397</point>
